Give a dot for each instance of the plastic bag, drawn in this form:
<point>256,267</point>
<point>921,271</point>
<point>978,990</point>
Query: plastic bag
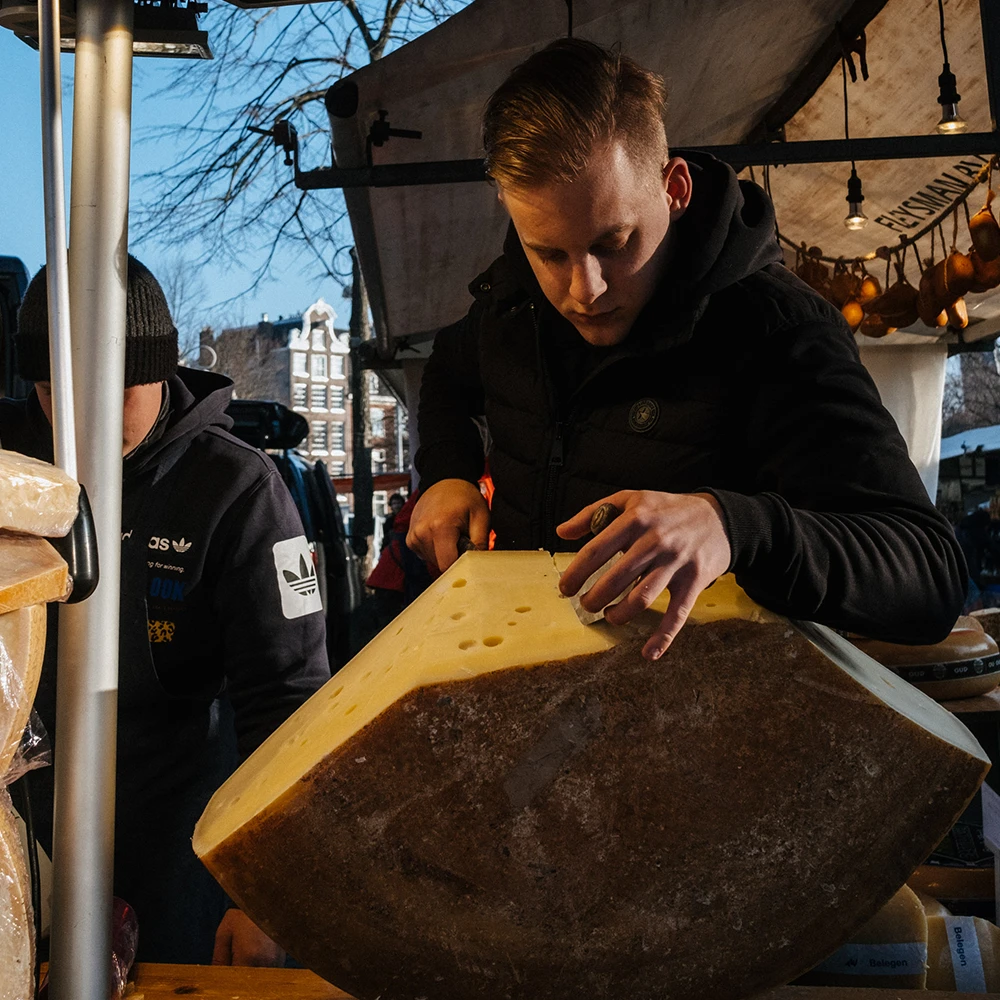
<point>17,930</point>
<point>22,650</point>
<point>124,942</point>
<point>33,752</point>
<point>36,498</point>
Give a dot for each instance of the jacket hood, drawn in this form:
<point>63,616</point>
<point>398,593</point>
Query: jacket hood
<point>726,234</point>
<point>198,401</point>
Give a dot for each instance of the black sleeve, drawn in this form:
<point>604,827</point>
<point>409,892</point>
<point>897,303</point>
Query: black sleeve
<point>274,638</point>
<point>451,396</point>
<point>841,531</point>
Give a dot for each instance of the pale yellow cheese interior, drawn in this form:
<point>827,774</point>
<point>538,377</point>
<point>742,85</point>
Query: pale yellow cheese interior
<point>22,649</point>
<point>491,611</point>
<point>36,497</point>
<point>31,572</point>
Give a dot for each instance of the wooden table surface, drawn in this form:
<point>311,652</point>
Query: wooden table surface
<point>207,982</point>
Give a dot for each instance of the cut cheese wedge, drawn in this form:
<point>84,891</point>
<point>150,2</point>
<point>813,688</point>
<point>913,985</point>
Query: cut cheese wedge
<point>17,936</point>
<point>494,800</point>
<point>31,572</point>
<point>888,952</point>
<point>22,649</point>
<point>963,953</point>
<point>35,497</point>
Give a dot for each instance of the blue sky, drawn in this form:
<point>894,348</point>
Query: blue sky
<point>22,232</point>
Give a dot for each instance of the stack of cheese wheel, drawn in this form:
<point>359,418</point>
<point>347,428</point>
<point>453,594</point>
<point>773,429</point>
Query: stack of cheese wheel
<point>963,665</point>
<point>495,800</point>
<point>963,953</point>
<point>35,500</point>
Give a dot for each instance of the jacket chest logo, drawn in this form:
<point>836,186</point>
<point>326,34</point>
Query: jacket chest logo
<point>643,415</point>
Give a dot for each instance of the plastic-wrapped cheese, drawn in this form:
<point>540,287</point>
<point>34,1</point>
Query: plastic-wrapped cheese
<point>888,952</point>
<point>22,648</point>
<point>17,936</point>
<point>31,572</point>
<point>493,800</point>
<point>35,497</point>
<point>963,953</point>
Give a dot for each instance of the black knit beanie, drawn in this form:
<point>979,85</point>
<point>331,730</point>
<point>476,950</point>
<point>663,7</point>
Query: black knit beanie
<point>150,334</point>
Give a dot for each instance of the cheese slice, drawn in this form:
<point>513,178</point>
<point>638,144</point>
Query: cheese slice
<point>493,799</point>
<point>963,953</point>
<point>31,572</point>
<point>17,936</point>
<point>35,497</point>
<point>22,649</point>
<point>888,952</point>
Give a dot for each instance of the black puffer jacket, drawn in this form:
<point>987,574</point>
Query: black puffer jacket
<point>736,379</point>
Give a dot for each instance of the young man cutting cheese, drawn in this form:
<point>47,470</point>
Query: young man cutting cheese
<point>208,529</point>
<point>640,342</point>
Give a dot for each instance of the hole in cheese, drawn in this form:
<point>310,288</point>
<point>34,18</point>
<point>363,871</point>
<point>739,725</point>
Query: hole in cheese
<point>467,644</point>
<point>457,616</point>
<point>348,712</point>
<point>459,583</point>
<point>493,640</point>
<point>523,609</point>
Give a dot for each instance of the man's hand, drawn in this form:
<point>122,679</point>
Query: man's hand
<point>239,941</point>
<point>447,510</point>
<point>669,540</point>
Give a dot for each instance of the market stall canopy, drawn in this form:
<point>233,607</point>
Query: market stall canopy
<point>728,66</point>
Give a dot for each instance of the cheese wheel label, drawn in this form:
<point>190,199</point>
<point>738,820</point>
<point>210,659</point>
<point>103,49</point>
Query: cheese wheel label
<point>950,671</point>
<point>966,959</point>
<point>907,958</point>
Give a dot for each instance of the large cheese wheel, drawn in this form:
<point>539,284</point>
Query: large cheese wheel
<point>35,497</point>
<point>22,648</point>
<point>31,572</point>
<point>963,953</point>
<point>493,800</point>
<point>963,665</point>
<point>17,936</point>
<point>888,952</point>
<point>932,907</point>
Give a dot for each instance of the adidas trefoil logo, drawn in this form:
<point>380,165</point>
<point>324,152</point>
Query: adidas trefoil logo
<point>182,545</point>
<point>305,583</point>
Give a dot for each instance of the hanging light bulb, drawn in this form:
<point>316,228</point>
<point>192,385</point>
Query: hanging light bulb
<point>948,96</point>
<point>856,218</point>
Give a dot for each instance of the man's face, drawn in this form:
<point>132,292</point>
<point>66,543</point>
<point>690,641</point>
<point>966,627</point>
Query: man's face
<point>597,244</point>
<point>142,407</point>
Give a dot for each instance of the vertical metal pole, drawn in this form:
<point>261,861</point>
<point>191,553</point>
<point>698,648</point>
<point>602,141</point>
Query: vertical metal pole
<point>363,527</point>
<point>57,264</point>
<point>87,692</point>
<point>989,17</point>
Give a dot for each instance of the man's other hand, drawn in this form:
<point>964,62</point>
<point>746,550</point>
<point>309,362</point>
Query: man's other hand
<point>239,941</point>
<point>446,511</point>
<point>668,540</point>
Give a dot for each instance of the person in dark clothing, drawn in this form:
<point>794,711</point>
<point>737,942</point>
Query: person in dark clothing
<point>979,535</point>
<point>221,638</point>
<point>641,342</point>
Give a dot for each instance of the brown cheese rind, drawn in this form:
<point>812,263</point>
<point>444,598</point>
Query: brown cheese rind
<point>709,825</point>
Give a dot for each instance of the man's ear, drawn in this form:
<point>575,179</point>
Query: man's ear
<point>678,185</point>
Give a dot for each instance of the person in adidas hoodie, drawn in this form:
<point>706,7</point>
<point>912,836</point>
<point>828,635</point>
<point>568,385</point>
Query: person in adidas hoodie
<point>641,342</point>
<point>222,634</point>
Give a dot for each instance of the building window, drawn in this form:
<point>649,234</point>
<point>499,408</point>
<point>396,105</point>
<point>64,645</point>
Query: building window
<point>336,397</point>
<point>299,364</point>
<point>318,438</point>
<point>319,337</point>
<point>378,422</point>
<point>317,397</point>
<point>319,366</point>
<point>299,395</point>
<point>336,436</point>
<point>336,365</point>
<point>378,461</point>
<point>374,388</point>
<point>337,468</point>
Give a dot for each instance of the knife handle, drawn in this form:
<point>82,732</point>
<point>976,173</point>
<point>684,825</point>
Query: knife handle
<point>603,516</point>
<point>466,544</point>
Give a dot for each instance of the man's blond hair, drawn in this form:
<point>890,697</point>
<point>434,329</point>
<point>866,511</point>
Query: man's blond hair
<point>543,122</point>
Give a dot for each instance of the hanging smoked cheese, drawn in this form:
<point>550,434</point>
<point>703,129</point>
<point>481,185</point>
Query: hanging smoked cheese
<point>985,231</point>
